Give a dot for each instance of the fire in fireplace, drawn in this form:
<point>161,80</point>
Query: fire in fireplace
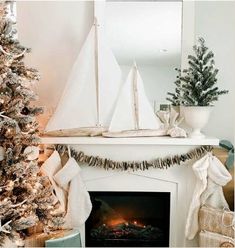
<point>128,219</point>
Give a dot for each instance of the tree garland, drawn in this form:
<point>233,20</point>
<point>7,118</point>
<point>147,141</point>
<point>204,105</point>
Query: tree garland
<point>161,163</point>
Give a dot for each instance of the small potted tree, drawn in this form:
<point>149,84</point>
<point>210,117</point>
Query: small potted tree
<point>196,88</point>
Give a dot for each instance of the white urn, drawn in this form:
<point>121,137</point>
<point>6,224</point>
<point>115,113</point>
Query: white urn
<point>196,117</point>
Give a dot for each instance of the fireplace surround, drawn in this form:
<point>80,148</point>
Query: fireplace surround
<point>128,219</point>
<point>178,181</point>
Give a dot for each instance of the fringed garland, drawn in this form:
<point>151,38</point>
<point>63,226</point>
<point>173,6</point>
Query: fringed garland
<point>161,163</point>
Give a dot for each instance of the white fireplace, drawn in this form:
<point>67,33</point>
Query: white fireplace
<point>178,180</point>
<point>148,181</point>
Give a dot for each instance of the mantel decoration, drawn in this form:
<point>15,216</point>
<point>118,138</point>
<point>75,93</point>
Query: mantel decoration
<point>106,163</point>
<point>102,106</point>
<point>91,91</point>
<point>26,196</point>
<point>196,89</point>
<point>133,115</point>
<point>171,120</point>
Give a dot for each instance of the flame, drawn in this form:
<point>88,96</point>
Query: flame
<point>116,221</point>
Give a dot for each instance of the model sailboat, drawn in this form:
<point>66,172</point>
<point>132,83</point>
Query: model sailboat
<point>133,115</point>
<point>88,101</point>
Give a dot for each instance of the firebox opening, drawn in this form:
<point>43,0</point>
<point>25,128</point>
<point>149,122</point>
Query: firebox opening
<point>128,219</point>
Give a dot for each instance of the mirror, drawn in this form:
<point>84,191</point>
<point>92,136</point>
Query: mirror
<point>150,34</point>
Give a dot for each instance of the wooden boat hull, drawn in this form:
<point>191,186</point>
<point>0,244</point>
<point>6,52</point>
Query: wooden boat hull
<point>77,132</point>
<point>135,133</point>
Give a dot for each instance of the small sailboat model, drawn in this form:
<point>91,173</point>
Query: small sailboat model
<point>89,98</point>
<point>133,115</point>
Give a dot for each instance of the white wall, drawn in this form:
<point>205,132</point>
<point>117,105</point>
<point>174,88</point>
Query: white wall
<point>215,21</point>
<point>55,30</point>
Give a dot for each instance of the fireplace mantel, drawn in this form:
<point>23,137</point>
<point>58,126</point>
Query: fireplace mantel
<point>130,141</point>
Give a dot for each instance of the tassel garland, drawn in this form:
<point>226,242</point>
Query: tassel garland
<point>161,163</point>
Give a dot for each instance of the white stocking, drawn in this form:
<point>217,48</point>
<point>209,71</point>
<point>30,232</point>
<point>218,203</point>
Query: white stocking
<point>200,169</point>
<point>211,176</point>
<point>79,203</point>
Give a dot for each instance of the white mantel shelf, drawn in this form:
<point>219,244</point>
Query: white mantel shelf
<point>131,141</point>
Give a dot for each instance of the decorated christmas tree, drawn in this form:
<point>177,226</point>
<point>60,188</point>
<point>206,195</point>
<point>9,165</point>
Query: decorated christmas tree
<point>25,195</point>
<point>197,85</point>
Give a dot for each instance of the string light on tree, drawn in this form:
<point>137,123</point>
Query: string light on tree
<point>10,132</point>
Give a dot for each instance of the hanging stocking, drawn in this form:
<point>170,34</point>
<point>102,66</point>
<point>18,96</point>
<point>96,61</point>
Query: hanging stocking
<point>79,203</point>
<point>211,176</point>
<point>200,170</point>
<point>218,176</point>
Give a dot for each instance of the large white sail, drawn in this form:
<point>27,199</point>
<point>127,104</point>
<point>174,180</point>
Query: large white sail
<point>133,111</point>
<point>91,92</point>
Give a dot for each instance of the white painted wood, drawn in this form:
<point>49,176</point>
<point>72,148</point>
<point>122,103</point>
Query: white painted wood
<point>178,180</point>
<point>99,11</point>
<point>131,141</point>
<point>138,183</point>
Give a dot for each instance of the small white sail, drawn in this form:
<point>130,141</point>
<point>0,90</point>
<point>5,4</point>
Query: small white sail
<point>133,115</point>
<point>91,92</point>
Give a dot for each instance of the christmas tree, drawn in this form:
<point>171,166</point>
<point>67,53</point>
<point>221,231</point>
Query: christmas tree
<point>25,195</point>
<point>197,85</point>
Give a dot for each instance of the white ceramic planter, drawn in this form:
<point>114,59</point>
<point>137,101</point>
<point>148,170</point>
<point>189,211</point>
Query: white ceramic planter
<point>196,117</point>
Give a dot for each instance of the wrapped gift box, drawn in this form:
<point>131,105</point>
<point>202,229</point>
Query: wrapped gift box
<point>210,239</point>
<point>216,220</point>
<point>39,239</point>
<point>71,239</point>
<point>222,155</point>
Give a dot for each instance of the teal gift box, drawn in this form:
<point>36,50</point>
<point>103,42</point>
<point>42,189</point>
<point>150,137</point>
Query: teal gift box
<point>71,239</point>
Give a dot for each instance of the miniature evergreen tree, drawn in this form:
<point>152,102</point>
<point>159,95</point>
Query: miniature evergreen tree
<point>176,97</point>
<point>198,83</point>
<point>25,195</point>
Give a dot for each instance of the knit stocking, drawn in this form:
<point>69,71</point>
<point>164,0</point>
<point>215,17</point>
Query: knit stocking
<point>79,203</point>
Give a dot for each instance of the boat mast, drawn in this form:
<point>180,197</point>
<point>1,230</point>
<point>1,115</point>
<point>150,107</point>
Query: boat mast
<point>97,73</point>
<point>135,97</point>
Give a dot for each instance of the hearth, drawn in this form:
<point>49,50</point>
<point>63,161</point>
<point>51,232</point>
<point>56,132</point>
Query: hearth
<point>128,219</point>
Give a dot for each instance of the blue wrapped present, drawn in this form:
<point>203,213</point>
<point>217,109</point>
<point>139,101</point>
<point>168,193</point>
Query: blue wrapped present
<point>71,239</point>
